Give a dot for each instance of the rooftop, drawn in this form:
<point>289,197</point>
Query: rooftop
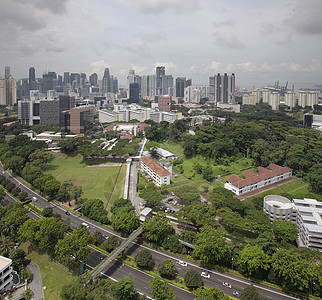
<point>154,166</point>
<point>262,174</point>
<point>4,262</point>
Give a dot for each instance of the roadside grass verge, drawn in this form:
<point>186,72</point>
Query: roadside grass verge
<point>53,275</point>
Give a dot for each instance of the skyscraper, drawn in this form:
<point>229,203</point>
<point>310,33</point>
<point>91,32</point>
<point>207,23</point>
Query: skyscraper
<point>93,79</point>
<point>32,78</point>
<point>222,88</point>
<point>106,81</point>
<point>66,78</point>
<point>134,93</point>
<point>180,85</point>
<point>6,72</point>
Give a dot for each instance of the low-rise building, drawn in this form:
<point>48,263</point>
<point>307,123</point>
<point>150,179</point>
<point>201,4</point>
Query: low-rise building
<point>261,178</point>
<point>279,208</point>
<point>165,154</point>
<point>154,171</point>
<point>6,277</point>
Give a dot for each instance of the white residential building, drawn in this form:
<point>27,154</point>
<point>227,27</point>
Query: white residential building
<point>6,277</point>
<point>308,98</point>
<point>253,181</point>
<point>290,99</point>
<point>154,171</point>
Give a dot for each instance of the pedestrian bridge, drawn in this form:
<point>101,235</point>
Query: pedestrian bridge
<point>114,254</point>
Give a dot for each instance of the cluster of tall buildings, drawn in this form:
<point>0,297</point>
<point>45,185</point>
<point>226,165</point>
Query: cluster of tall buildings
<point>62,111</point>
<point>275,98</point>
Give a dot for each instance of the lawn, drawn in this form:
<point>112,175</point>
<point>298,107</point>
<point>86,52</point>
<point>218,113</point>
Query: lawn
<point>53,275</point>
<point>96,182</point>
<point>173,148</point>
<point>292,185</point>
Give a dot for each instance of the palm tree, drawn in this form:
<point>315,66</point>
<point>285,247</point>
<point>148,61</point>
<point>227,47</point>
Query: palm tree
<point>6,245</point>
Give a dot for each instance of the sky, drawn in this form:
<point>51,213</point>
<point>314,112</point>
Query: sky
<point>260,41</point>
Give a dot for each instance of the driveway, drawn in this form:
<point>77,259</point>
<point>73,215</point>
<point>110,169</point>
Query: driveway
<point>35,285</point>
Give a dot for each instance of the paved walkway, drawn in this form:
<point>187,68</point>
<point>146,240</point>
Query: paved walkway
<point>35,285</point>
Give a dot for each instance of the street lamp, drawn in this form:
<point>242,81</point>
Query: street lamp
<point>232,263</point>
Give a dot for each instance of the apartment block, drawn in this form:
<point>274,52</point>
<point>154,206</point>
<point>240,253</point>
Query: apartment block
<point>6,277</point>
<point>154,172</point>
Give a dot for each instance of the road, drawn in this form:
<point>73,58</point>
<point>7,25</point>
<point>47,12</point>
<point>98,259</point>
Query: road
<point>216,278</point>
<point>118,270</point>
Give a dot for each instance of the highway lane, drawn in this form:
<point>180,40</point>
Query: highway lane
<point>117,270</point>
<point>268,293</point>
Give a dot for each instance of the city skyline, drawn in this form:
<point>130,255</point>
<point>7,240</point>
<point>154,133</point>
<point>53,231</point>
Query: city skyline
<point>259,42</point>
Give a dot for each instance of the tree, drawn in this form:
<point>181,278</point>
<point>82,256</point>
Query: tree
<point>17,256</point>
<point>160,289</point>
<point>211,245</point>
<point>292,270</point>
<point>47,212</point>
<point>192,279</point>
<point>74,245</point>
<point>157,228</point>
<point>41,157</point>
<point>250,293</point>
<point>6,245</point>
<point>285,231</point>
<point>143,259</point>
<point>23,196</point>
<point>94,210</point>
<point>203,293</point>
<point>111,243</point>
<point>125,221</point>
<point>167,268</point>
<point>43,233</point>
<point>124,289</point>
<point>252,261</point>
<point>98,237</point>
<point>68,190</point>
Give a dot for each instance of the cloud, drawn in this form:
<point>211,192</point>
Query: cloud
<point>306,18</point>
<point>99,66</point>
<point>315,66</point>
<point>169,66</point>
<point>159,6</point>
<point>57,7</point>
<point>249,66</point>
<point>222,23</point>
<point>214,65</point>
<point>227,40</point>
<point>153,37</point>
<point>138,68</point>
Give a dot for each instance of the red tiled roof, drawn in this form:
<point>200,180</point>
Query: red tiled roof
<point>263,173</point>
<point>128,136</point>
<point>154,166</point>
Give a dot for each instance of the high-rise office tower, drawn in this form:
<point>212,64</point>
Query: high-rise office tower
<point>222,88</point>
<point>6,72</point>
<point>32,78</point>
<point>160,71</point>
<point>106,81</point>
<point>32,75</point>
<point>180,85</point>
<point>66,78</point>
<point>93,79</point>
<point>11,91</point>
<point>134,93</point>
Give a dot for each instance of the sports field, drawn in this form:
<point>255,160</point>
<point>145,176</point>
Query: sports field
<point>96,182</point>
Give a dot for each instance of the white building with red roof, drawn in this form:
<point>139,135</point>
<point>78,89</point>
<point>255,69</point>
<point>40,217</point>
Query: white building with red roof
<point>154,171</point>
<point>261,178</point>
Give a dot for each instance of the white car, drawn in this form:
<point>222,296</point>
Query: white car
<point>226,284</point>
<point>34,199</point>
<point>205,274</point>
<point>182,263</point>
<point>235,293</point>
<point>85,225</point>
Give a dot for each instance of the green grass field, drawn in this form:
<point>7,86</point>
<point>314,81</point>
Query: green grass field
<point>53,275</point>
<point>96,182</point>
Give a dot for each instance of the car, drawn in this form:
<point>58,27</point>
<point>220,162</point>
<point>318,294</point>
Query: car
<point>85,225</point>
<point>34,199</point>
<point>205,274</point>
<point>226,284</point>
<point>67,213</point>
<point>172,193</point>
<point>235,293</point>
<point>182,263</point>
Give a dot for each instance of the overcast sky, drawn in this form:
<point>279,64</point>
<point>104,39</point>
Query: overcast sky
<point>260,41</point>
